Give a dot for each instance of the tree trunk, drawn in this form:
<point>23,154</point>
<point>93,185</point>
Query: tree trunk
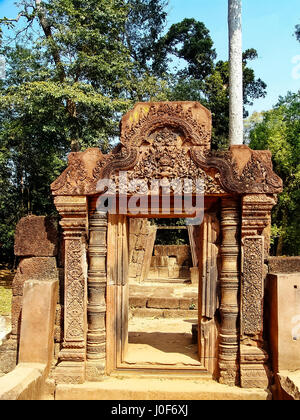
<point>71,105</point>
<point>236,134</point>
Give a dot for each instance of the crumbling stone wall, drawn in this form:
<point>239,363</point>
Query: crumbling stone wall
<point>37,247</point>
<point>171,261</point>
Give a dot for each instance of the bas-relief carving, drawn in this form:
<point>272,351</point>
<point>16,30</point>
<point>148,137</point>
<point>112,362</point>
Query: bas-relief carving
<point>165,156</point>
<point>75,282</point>
<point>172,140</point>
<point>252,285</point>
<point>254,176</point>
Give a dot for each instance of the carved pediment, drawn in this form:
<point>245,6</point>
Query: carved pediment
<point>170,141</point>
<point>191,118</point>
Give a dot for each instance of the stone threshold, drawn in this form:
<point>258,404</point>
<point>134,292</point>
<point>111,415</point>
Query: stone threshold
<point>157,389</point>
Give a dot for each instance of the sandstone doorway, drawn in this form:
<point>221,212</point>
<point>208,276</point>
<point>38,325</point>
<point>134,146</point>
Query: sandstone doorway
<point>150,319</point>
<point>163,306</point>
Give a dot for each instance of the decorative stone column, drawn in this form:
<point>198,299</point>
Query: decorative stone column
<point>256,226</point>
<point>97,278</point>
<point>229,283</point>
<point>72,357</point>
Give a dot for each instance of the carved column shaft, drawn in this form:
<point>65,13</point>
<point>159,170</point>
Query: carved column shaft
<point>97,278</point>
<point>73,211</point>
<point>229,282</point>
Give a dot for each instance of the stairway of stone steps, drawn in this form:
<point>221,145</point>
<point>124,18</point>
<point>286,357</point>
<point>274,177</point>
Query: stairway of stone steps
<point>167,300</point>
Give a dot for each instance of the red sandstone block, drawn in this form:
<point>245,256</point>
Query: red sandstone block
<point>37,326</point>
<point>36,236</point>
<point>16,315</point>
<point>37,268</point>
<point>188,304</point>
<point>138,302</point>
<point>163,303</point>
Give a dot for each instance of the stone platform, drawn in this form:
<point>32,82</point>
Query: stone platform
<point>158,389</point>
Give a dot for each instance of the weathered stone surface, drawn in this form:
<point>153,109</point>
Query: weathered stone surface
<point>163,303</point>
<point>37,268</point>
<point>141,241</point>
<point>8,356</point>
<point>157,389</point>
<point>38,316</point>
<point>36,236</point>
<point>16,315</point>
<point>171,262</point>
<point>283,308</point>
<point>138,301</point>
<point>24,383</point>
<point>284,265</point>
<point>195,275</point>
<point>290,384</point>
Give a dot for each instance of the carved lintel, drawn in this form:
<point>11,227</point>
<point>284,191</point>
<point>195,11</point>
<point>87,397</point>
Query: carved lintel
<point>73,211</point>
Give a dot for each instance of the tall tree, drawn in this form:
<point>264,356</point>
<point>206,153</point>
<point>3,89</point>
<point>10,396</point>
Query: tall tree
<point>201,78</point>
<point>70,76</point>
<point>279,131</point>
<point>75,67</point>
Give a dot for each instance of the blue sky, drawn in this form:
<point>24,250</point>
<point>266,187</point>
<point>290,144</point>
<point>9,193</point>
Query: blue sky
<point>268,26</point>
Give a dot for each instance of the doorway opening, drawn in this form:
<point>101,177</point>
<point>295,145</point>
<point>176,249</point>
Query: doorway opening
<point>158,318</point>
<point>163,301</point>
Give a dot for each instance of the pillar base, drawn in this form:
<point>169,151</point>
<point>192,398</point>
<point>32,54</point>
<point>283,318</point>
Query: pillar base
<point>95,370</point>
<point>254,370</point>
<point>70,373</point>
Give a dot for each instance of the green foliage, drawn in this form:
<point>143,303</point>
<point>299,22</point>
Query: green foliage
<point>298,32</point>
<point>171,236</point>
<point>279,131</point>
<point>70,77</point>
<point>212,90</point>
<point>73,69</point>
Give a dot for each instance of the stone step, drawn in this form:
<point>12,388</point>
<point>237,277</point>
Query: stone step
<point>163,297</point>
<point>163,313</point>
<point>165,374</point>
<point>189,303</point>
<point>168,281</point>
<point>157,389</point>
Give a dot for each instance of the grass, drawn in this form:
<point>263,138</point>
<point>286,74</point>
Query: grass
<point>5,301</point>
<point>6,277</point>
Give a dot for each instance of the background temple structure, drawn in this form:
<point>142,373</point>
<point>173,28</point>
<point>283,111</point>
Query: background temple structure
<point>80,274</point>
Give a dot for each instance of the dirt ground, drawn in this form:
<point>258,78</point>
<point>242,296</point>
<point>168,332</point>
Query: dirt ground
<point>166,342</point>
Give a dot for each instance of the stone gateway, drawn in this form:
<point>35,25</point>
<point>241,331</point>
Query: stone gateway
<point>167,141</point>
